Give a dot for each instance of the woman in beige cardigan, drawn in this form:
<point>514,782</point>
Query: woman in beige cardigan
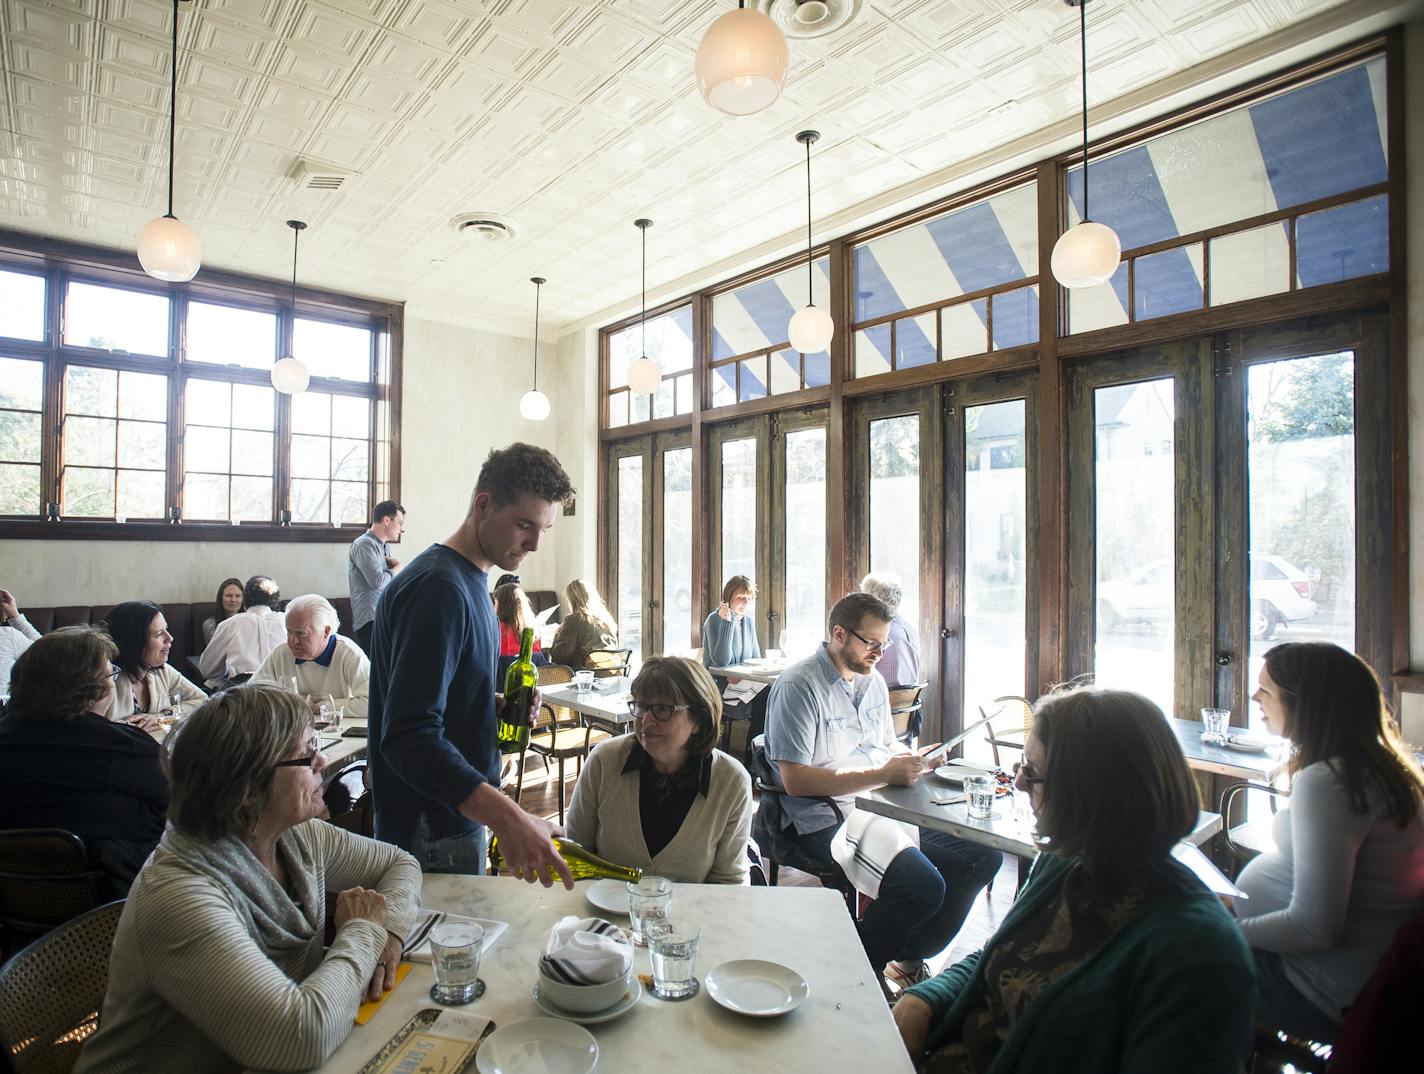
<point>147,686</point>
<point>663,799</point>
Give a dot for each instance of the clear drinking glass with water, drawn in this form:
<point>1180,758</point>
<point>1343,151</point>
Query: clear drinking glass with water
<point>455,954</point>
<point>674,955</point>
<point>979,796</point>
<point>1214,723</point>
<point>649,901</point>
<point>583,681</point>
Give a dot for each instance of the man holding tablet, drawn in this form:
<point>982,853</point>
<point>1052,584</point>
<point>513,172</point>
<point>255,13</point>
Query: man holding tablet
<point>829,733</point>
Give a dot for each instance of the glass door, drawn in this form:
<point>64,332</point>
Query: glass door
<point>740,485</point>
<point>673,511</point>
<point>628,539</point>
<point>797,590</point>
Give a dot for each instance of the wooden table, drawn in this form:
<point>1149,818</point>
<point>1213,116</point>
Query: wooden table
<point>605,705</point>
<point>844,1025</point>
<point>754,672</point>
<point>1257,767</point>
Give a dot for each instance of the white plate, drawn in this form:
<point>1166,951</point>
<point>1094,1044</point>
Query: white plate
<point>538,1046</point>
<point>610,896</point>
<point>1245,744</point>
<point>955,773</point>
<point>757,988</point>
<point>623,1006</point>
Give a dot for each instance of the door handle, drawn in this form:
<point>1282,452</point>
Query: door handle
<point>1223,659</point>
<point>946,633</point>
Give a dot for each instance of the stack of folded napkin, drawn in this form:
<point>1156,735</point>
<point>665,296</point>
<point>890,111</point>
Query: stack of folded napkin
<point>417,944</point>
<point>586,951</point>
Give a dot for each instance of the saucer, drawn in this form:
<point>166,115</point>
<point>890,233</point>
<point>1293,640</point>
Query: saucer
<point>610,896</point>
<point>623,1006</point>
<point>757,988</point>
<point>538,1046</point>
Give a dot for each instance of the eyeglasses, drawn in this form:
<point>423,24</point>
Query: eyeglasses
<point>309,761</point>
<point>661,713</point>
<point>871,646</point>
<point>115,671</point>
<point>1030,774</point>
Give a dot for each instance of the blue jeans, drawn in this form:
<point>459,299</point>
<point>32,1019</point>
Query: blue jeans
<point>924,897</point>
<point>463,853</point>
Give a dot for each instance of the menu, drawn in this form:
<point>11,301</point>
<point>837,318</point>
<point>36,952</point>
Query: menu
<point>432,1042</point>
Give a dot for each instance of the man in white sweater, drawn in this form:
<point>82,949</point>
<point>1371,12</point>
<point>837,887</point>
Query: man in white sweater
<point>320,660</point>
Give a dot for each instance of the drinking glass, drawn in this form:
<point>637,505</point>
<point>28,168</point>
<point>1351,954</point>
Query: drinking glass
<point>649,900</point>
<point>979,796</point>
<point>583,681</point>
<point>1215,722</point>
<point>674,954</point>
<point>328,712</point>
<point>455,953</point>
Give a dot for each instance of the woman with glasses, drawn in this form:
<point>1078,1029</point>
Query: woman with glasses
<point>149,686</point>
<point>1113,957</point>
<point>218,961</point>
<point>663,799</point>
<point>64,765</point>
<point>728,634</point>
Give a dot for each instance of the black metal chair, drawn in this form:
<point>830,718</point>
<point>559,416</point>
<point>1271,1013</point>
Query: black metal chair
<point>1010,719</point>
<point>45,880</point>
<point>608,663</point>
<point>1253,837</point>
<point>775,837</point>
<point>348,801</point>
<point>906,710</point>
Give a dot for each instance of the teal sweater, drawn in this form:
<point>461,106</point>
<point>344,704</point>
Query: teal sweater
<point>1172,993</point>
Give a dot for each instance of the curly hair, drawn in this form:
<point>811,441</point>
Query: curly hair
<point>59,677</point>
<point>512,472</point>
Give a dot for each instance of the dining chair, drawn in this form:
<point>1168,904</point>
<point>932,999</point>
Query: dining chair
<point>1010,719</point>
<point>608,663</point>
<point>52,992</point>
<point>906,705</point>
<point>559,734</point>
<point>1252,837</point>
<point>45,880</point>
<point>349,801</point>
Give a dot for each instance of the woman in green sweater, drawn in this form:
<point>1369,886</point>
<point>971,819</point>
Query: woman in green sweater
<point>1114,957</point>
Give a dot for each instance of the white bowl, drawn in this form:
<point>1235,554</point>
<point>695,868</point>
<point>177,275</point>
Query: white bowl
<point>584,999</point>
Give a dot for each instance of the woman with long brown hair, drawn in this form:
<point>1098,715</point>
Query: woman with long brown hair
<point>1348,868</point>
<point>588,626</point>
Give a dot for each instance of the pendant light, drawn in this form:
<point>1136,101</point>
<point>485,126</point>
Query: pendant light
<point>643,373</point>
<point>811,327</point>
<point>169,249</point>
<point>534,404</point>
<point>742,62</point>
<point>1088,253</point>
<point>289,376</point>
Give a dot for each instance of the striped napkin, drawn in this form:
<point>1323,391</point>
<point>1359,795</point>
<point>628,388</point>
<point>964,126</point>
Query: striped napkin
<point>417,944</point>
<point>586,951</point>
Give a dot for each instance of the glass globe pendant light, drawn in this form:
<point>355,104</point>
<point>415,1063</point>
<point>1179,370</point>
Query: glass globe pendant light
<point>643,373</point>
<point>289,375</point>
<point>742,62</point>
<point>534,404</point>
<point>1087,254</point>
<point>169,249</point>
<point>811,327</point>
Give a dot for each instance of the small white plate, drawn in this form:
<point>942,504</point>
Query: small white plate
<point>955,773</point>
<point>610,896</point>
<point>623,1006</point>
<point>538,1046</point>
<point>758,988</point>
<point>1246,744</point>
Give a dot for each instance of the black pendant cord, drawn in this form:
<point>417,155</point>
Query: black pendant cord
<point>172,109</point>
<point>1083,46</point>
<point>643,319</point>
<point>810,276</point>
<point>537,288</point>
<point>296,237</point>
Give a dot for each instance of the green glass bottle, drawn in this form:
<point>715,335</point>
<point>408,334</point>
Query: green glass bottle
<point>583,864</point>
<point>520,682</point>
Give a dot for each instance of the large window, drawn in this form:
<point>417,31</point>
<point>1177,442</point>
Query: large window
<point>895,505</point>
<point>804,518</point>
<point>751,357</point>
<point>667,340</point>
<point>154,404</point>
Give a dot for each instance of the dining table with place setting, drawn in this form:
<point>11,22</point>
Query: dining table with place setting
<point>1229,751</point>
<point>765,669</point>
<point>547,979</point>
<point>603,702</point>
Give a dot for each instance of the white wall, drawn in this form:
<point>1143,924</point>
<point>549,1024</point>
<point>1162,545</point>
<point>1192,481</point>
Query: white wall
<point>576,420</point>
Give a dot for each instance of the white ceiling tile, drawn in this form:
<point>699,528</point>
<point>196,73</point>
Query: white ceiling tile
<point>503,49</point>
<point>330,30</point>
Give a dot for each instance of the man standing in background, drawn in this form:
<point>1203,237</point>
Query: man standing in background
<point>370,567</point>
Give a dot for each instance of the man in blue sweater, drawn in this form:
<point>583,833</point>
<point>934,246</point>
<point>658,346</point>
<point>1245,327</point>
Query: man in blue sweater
<point>434,714</point>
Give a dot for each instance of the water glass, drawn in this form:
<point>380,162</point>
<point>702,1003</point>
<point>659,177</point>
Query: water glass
<point>583,681</point>
<point>649,901</point>
<point>455,953</point>
<point>979,796</point>
<point>1215,722</point>
<point>674,954</point>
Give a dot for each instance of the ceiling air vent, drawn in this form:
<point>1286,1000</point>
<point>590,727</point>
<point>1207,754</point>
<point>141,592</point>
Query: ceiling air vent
<point>810,18</point>
<point>314,175</point>
<point>483,227</point>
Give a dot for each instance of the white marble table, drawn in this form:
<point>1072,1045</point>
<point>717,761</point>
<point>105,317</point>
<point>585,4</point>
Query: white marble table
<point>915,805</point>
<point>759,672</point>
<point>1258,767</point>
<point>343,750</point>
<point>606,704</point>
<point>845,1025</point>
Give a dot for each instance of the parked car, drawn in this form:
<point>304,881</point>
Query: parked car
<point>1280,594</point>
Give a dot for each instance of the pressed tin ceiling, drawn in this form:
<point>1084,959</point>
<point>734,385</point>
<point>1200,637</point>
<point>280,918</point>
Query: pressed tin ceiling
<point>567,118</point>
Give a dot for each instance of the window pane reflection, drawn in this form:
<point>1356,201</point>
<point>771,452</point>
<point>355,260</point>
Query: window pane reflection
<point>805,509</point>
<point>895,505</point>
<point>677,550</point>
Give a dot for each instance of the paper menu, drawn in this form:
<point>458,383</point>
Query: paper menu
<point>432,1042</point>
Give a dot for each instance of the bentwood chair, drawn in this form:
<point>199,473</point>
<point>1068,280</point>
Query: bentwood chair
<point>349,801</point>
<point>559,734</point>
<point>1010,720</point>
<point>52,992</point>
<point>608,663</point>
<point>1252,837</point>
<point>45,880</point>
<point>906,703</point>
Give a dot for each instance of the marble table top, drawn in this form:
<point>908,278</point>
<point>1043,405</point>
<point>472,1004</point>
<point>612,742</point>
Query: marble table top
<point>607,702</point>
<point>761,672</point>
<point>1257,767</point>
<point>845,1025</point>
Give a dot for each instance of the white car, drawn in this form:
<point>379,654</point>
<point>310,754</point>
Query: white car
<point>1280,593</point>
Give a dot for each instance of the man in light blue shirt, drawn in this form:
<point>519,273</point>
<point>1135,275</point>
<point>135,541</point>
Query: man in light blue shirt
<point>829,733</point>
<point>370,567</point>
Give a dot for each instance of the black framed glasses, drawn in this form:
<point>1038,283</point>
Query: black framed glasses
<point>1030,774</point>
<point>661,713</point>
<point>872,646</point>
<point>115,671</point>
<point>309,761</point>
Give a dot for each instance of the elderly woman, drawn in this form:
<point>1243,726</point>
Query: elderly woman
<point>728,634</point>
<point>900,664</point>
<point>16,634</point>
<point>322,662</point>
<point>227,604</point>
<point>663,799</point>
<point>147,686</point>
<point>588,626</point>
<point>63,764</point>
<point>218,962</point>
<point>1114,957</point>
<point>1348,868</point>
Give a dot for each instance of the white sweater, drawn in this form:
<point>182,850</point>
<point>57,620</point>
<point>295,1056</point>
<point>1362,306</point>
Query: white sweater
<point>14,640</point>
<point>347,679</point>
<point>1332,895</point>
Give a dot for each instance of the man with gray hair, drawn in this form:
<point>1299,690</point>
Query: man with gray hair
<point>320,661</point>
<point>900,664</point>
